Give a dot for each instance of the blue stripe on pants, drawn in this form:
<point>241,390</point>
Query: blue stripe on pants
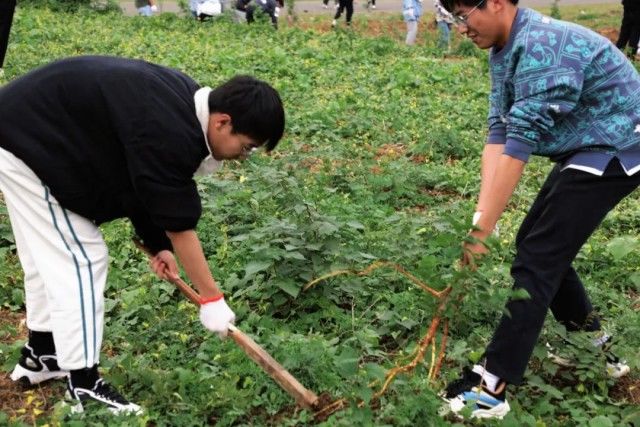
<point>75,261</point>
<point>93,299</point>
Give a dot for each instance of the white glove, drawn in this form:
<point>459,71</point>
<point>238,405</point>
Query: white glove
<point>216,317</point>
<point>476,218</point>
<point>154,8</point>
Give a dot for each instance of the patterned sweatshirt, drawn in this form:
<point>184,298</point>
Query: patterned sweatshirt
<point>562,91</point>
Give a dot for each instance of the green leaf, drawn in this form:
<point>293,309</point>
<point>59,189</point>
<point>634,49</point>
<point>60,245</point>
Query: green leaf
<point>520,293</point>
<point>288,286</point>
<point>256,266</point>
<point>600,421</point>
<point>620,247</point>
<point>347,362</point>
<point>293,255</point>
<point>356,225</point>
<point>635,279</point>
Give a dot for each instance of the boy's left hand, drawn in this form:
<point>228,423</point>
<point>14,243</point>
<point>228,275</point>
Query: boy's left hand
<point>473,250</point>
<point>164,265</point>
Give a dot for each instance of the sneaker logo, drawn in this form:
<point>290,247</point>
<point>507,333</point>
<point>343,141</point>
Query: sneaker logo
<point>31,363</point>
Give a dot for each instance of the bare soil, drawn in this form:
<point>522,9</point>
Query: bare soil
<point>20,403</point>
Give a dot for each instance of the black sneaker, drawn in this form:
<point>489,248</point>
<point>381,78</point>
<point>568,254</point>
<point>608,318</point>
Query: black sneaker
<point>33,368</point>
<point>85,387</point>
<point>470,389</point>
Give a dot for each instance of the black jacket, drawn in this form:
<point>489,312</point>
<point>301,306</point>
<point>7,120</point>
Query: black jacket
<point>111,138</point>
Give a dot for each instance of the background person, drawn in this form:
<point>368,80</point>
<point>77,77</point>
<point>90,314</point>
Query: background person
<point>444,20</point>
<point>146,7</point>
<point>248,9</point>
<point>630,27</point>
<point>342,6</point>
<point>411,13</point>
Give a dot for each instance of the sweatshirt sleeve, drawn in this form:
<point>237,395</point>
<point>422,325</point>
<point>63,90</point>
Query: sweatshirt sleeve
<point>170,198</point>
<point>546,88</point>
<point>497,127</point>
<point>152,236</point>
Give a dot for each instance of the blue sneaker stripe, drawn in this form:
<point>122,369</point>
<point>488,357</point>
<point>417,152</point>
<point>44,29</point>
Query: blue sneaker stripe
<point>482,398</point>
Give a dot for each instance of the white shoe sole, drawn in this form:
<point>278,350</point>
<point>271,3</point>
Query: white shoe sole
<point>77,408</point>
<point>24,375</point>
<point>498,412</point>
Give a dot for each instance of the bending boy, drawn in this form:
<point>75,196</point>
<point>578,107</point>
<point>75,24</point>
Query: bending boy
<point>561,91</point>
<point>89,139</point>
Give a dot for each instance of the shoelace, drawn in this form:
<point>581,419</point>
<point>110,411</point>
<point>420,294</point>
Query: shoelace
<point>105,389</point>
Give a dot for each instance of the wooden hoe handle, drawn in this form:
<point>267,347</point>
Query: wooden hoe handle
<point>303,397</point>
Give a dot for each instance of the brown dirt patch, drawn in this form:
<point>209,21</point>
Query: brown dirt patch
<point>419,159</point>
<point>390,151</point>
<point>11,320</point>
<point>627,389</point>
<point>635,299</point>
<point>376,170</point>
<point>439,192</point>
<point>23,404</point>
<point>313,164</point>
<point>610,33</point>
<point>394,28</point>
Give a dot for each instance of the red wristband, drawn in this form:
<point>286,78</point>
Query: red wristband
<point>204,301</point>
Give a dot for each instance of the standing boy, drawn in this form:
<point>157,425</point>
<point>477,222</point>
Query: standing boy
<point>561,91</point>
<point>89,139</point>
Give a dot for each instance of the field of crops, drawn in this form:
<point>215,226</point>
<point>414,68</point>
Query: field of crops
<point>380,161</point>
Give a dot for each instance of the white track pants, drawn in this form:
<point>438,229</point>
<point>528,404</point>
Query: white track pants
<point>65,261</point>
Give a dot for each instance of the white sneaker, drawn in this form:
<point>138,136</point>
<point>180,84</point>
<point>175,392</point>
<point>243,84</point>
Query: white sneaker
<point>334,23</point>
<point>34,369</point>
<point>615,367</point>
<point>471,389</point>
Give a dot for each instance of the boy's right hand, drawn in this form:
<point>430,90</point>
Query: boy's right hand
<point>164,265</point>
<point>216,316</point>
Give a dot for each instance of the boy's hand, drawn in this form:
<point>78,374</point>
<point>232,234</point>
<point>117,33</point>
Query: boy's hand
<point>473,250</point>
<point>216,316</point>
<point>164,265</point>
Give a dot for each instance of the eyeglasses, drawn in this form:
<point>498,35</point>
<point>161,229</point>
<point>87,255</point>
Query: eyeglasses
<point>462,19</point>
<point>248,150</point>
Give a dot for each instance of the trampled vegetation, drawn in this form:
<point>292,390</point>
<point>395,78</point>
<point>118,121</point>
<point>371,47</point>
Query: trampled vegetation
<point>380,162</point>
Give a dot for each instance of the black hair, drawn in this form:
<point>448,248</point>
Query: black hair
<point>451,4</point>
<point>254,106</point>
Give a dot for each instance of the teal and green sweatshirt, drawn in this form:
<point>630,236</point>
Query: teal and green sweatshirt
<point>563,91</point>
